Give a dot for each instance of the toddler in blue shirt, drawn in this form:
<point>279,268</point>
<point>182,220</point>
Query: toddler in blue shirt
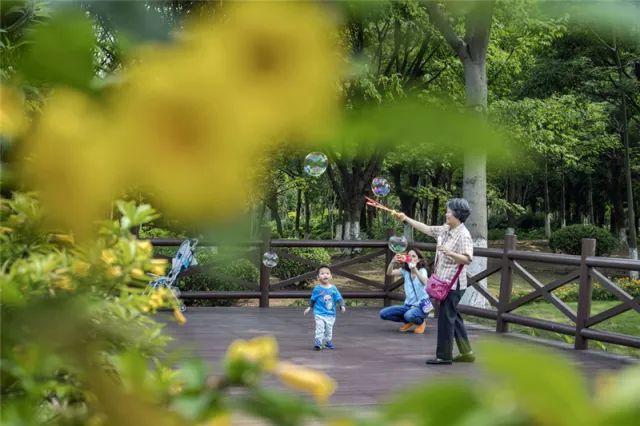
<point>324,298</point>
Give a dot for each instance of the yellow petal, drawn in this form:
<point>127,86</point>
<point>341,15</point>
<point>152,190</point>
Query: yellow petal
<point>13,120</point>
<point>108,256</point>
<point>305,379</point>
<point>138,274</point>
<point>114,272</point>
<point>179,316</point>
<point>80,267</point>
<point>63,238</point>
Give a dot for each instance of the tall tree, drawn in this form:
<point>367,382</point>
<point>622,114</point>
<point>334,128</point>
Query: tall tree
<point>471,49</point>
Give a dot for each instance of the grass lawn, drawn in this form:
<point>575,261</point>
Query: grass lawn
<point>626,323</point>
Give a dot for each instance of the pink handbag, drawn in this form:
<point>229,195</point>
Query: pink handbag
<point>439,289</point>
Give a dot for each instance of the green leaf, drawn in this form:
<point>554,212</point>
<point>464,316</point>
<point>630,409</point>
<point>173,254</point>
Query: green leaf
<point>61,52</point>
<point>280,409</point>
<point>193,407</point>
<point>620,400</point>
<point>543,383</point>
<point>193,374</point>
<point>436,403</point>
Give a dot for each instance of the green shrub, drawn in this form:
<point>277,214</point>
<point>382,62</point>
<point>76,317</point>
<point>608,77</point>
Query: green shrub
<point>531,234</point>
<point>530,220</point>
<point>496,234</point>
<point>568,239</point>
<point>220,274</point>
<point>497,221</point>
<point>288,268</point>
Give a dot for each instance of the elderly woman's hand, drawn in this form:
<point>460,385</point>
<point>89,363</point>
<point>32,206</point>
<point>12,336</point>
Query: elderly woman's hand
<point>445,251</point>
<point>400,216</point>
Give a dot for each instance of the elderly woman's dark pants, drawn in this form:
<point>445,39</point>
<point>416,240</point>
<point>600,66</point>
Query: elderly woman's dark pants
<point>450,327</point>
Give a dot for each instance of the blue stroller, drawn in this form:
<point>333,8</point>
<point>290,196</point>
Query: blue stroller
<point>183,260</point>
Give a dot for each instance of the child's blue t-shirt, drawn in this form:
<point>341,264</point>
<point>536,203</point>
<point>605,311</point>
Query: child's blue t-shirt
<point>324,300</point>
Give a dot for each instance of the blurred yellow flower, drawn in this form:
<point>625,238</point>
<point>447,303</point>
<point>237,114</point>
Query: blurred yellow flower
<point>5,230</point>
<point>114,272</point>
<point>62,238</point>
<point>262,351</point>
<point>62,282</point>
<point>158,266</point>
<point>13,120</point>
<point>145,247</point>
<point>108,256</point>
<point>282,60</point>
<point>192,120</point>
<point>220,419</point>
<point>71,162</point>
<point>138,274</point>
<point>80,267</point>
<point>179,316</point>
<point>305,379</point>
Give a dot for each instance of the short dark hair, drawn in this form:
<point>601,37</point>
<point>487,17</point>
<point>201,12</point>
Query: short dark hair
<point>460,208</point>
<point>321,267</point>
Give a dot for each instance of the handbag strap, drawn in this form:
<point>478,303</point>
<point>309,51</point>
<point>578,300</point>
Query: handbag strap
<point>455,277</point>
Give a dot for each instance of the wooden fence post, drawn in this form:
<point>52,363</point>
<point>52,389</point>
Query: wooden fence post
<point>264,270</point>
<point>506,283</point>
<point>584,293</point>
<point>388,280</point>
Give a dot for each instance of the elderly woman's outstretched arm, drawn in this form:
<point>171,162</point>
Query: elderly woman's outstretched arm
<point>433,231</point>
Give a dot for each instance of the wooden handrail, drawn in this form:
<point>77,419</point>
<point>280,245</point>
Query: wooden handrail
<point>585,273</point>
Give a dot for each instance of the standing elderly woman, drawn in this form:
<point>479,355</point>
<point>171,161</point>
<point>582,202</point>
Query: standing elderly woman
<point>454,248</point>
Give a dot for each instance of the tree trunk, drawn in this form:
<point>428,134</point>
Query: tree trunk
<point>307,216</point>
<point>273,208</point>
<point>631,216</point>
<point>296,226</point>
<point>472,51</point>
<point>349,180</point>
<point>547,206</point>
<point>435,210</point>
<point>563,202</point>
<point>511,197</point>
<point>592,216</point>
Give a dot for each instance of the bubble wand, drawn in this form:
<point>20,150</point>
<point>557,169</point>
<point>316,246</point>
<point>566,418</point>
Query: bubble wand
<point>373,203</point>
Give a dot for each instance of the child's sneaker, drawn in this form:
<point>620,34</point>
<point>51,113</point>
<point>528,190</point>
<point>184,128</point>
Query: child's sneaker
<point>317,345</point>
<point>329,345</point>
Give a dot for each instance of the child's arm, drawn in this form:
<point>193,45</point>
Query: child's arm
<point>339,300</point>
<point>312,301</point>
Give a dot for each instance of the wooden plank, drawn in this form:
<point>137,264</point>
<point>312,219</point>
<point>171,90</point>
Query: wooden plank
<point>571,276</point>
<point>562,307</point>
<point>492,300</point>
<point>358,278</point>
<point>299,259</point>
<point>609,313</point>
<point>539,324</point>
<point>622,295</point>
<point>284,283</point>
<point>396,284</point>
<point>372,360</point>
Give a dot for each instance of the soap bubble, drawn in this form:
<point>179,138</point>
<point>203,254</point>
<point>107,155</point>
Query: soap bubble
<point>315,163</point>
<point>380,187</point>
<point>270,259</point>
<point>397,244</point>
